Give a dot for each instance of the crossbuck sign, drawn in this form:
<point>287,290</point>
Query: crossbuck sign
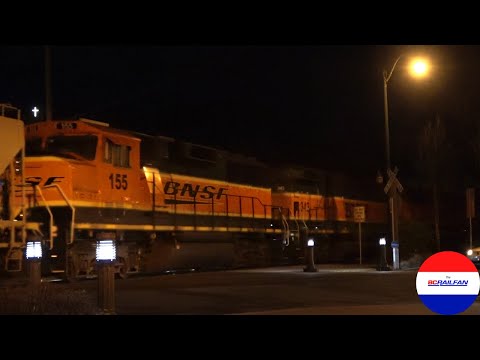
<point>393,181</point>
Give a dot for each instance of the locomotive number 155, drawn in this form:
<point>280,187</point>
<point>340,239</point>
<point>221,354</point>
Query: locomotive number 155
<point>118,181</point>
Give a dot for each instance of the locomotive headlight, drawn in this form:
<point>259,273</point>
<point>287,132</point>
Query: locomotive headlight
<point>106,250</point>
<point>469,252</point>
<point>310,243</point>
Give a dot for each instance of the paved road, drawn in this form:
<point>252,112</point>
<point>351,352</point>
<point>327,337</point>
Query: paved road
<point>333,290</point>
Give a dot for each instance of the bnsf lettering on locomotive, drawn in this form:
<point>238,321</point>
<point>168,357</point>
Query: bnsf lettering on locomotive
<point>34,180</point>
<point>171,185</point>
<point>53,179</point>
<point>37,180</point>
<point>191,192</point>
<point>207,192</point>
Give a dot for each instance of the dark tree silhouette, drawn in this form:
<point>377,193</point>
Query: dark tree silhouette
<point>431,146</point>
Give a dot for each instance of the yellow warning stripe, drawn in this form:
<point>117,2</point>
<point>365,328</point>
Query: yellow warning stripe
<point>147,227</point>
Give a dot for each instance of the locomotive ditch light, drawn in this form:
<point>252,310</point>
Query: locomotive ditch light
<point>34,250</point>
<point>310,243</point>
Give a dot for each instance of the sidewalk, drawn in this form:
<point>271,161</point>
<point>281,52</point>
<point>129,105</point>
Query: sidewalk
<point>403,309</point>
<point>320,268</point>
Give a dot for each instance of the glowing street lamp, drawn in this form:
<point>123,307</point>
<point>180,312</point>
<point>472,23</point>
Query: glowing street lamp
<point>419,68</point>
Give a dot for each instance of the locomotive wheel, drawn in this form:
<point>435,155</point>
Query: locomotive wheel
<point>122,268</point>
<point>92,269</point>
<point>72,272</point>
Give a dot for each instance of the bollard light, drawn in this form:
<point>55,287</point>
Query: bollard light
<point>396,258</point>
<point>33,254</point>
<point>382,265</point>
<point>309,257</point>
<point>106,255</point>
<point>106,250</point>
<point>34,250</point>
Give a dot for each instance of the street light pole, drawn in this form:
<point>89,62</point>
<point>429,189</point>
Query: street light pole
<point>48,84</point>
<point>418,68</point>
<point>387,130</point>
<point>393,193</point>
<point>386,78</point>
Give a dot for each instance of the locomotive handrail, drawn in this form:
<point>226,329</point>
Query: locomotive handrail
<point>316,212</point>
<point>71,207</point>
<point>24,197</point>
<point>253,198</point>
<point>298,226</point>
<point>6,109</point>
<point>286,234</point>
<point>50,213</point>
<point>305,224</point>
<point>253,206</point>
<point>228,214</point>
<point>153,201</point>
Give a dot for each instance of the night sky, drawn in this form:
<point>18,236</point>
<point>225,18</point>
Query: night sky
<point>319,106</point>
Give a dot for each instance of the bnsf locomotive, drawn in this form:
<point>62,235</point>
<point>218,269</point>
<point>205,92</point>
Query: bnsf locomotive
<point>171,204</point>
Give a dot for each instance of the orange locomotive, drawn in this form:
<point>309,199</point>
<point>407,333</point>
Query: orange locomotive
<point>87,179</point>
<point>83,180</point>
<point>330,222</point>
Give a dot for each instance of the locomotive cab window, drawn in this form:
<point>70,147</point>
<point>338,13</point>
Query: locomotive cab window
<point>80,147</point>
<point>107,151</point>
<point>202,153</point>
<point>116,154</point>
<point>33,147</point>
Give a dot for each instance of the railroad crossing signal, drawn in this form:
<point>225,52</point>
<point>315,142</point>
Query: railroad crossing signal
<point>393,181</point>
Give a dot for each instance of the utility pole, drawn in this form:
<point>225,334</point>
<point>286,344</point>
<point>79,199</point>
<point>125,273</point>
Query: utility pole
<point>48,85</point>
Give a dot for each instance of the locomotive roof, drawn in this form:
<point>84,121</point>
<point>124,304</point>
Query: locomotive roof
<point>106,128</point>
